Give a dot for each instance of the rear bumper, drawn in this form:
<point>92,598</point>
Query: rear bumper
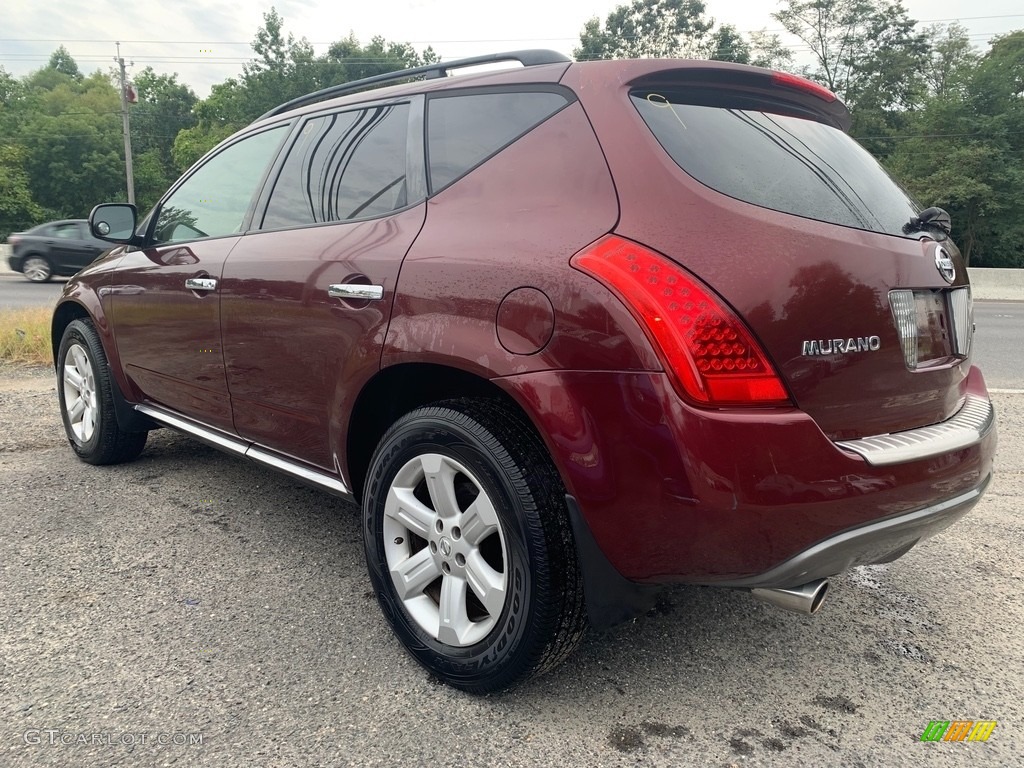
<point>879,542</point>
<point>741,497</point>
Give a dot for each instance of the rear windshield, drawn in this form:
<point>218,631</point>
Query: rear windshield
<point>785,163</point>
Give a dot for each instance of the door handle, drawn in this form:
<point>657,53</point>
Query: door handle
<point>356,291</point>
<point>201,284</point>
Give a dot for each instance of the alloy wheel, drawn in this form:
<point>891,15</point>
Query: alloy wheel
<point>445,549</point>
<point>80,393</point>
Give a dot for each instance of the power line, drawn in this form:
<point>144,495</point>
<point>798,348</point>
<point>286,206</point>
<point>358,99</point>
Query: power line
<point>422,42</point>
<point>795,48</point>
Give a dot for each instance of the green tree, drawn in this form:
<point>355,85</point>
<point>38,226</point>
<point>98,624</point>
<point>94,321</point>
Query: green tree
<point>285,69</point>
<point>963,149</point>
<point>164,109</point>
<point>151,177</point>
<point>61,61</point>
<point>13,108</point>
<point>72,138</point>
<point>768,50</point>
<point>347,60</point>
<point>676,29</point>
<point>649,28</point>
<point>952,60</point>
<point>996,96</point>
<point>759,49</point>
<point>17,208</point>
<point>727,44</point>
<point>863,49</point>
<point>869,53</point>
<point>998,84</point>
<point>192,143</point>
<point>11,89</point>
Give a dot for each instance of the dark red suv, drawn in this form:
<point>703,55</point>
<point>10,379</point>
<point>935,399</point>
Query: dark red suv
<point>564,331</point>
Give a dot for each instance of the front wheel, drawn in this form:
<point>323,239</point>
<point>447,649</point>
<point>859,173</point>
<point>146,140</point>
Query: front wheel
<point>469,546</point>
<point>85,389</point>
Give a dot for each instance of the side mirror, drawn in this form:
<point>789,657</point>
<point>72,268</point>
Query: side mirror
<point>113,222</point>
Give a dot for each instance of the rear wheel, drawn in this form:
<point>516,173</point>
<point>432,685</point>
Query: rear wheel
<point>469,546</point>
<point>85,390</point>
<point>37,268</point>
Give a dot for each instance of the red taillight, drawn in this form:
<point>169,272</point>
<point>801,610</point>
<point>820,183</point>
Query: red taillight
<point>787,80</point>
<point>711,356</point>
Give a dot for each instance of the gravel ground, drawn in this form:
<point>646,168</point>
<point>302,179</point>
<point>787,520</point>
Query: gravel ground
<point>194,609</point>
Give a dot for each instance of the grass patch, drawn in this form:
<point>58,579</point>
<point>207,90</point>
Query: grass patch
<point>25,336</point>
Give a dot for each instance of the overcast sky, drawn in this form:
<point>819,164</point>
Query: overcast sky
<point>206,41</point>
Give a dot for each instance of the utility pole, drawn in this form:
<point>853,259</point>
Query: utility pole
<point>127,129</point>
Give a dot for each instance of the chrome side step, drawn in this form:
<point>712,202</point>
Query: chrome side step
<point>236,445</point>
<point>298,471</point>
<point>208,435</point>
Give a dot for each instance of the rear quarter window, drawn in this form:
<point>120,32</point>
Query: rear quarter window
<point>464,129</point>
<point>786,163</point>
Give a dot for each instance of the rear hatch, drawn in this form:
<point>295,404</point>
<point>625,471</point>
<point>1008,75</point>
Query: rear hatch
<point>747,179</point>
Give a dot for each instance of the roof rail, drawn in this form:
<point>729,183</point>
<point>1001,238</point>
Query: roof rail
<point>528,58</point>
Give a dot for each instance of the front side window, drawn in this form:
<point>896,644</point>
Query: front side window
<point>777,161</point>
<point>67,231</point>
<point>214,201</point>
<point>348,165</point>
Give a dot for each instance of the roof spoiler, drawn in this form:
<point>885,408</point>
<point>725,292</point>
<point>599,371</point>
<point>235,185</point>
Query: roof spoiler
<point>722,78</point>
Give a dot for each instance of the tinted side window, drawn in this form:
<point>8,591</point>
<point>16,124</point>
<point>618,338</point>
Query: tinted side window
<point>67,231</point>
<point>464,130</point>
<point>350,165</point>
<point>782,162</point>
<point>214,200</point>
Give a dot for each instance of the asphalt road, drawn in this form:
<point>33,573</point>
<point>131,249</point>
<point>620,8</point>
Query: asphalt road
<point>199,600</point>
<point>16,291</point>
<point>999,343</point>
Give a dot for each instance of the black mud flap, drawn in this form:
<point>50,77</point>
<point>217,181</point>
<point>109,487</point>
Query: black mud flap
<point>128,419</point>
<point>611,598</point>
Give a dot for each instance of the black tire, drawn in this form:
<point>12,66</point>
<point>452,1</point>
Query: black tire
<point>37,268</point>
<point>99,439</point>
<point>494,456</point>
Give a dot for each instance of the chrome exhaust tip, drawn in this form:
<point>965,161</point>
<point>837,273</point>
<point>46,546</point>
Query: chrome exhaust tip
<point>806,599</point>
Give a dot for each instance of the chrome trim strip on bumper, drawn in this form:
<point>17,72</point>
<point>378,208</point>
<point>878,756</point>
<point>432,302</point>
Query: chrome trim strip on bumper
<point>879,542</point>
<point>246,449</point>
<point>970,424</point>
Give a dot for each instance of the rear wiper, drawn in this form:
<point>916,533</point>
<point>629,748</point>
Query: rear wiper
<point>930,219</point>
